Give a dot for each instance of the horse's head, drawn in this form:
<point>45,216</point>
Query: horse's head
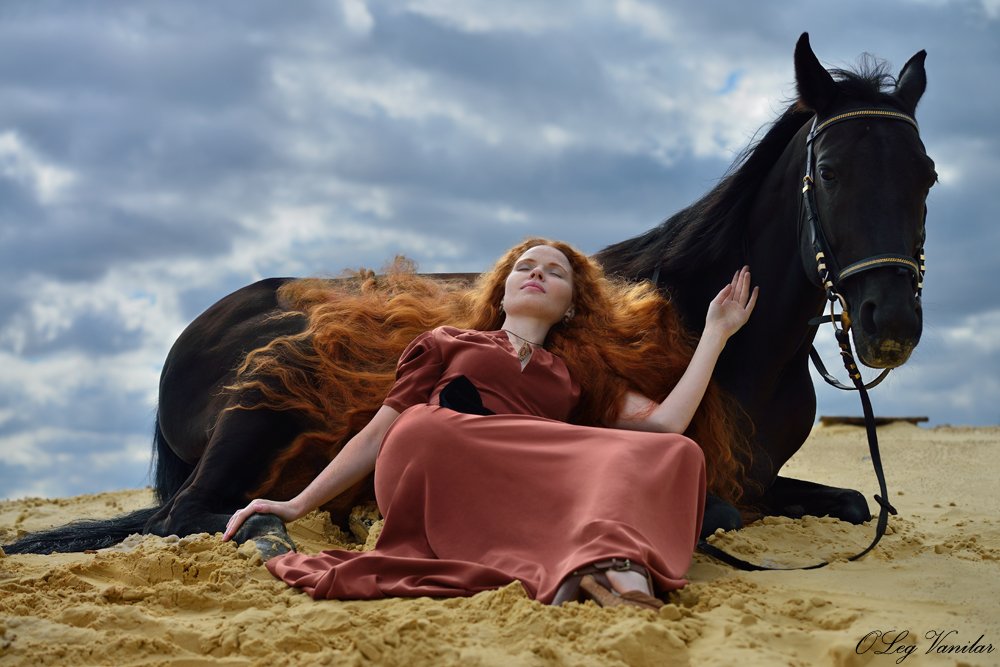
<point>869,180</point>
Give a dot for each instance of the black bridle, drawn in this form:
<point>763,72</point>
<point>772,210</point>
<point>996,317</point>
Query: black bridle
<point>830,273</point>
<point>831,276</point>
<point>828,270</point>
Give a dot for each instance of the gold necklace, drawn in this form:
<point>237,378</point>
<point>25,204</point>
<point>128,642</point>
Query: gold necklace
<point>525,350</point>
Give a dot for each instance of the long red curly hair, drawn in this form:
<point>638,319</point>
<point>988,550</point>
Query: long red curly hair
<point>337,371</point>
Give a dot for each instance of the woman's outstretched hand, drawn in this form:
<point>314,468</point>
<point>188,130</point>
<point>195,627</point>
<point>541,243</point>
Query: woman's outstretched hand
<point>350,466</point>
<point>731,308</point>
<point>284,510</point>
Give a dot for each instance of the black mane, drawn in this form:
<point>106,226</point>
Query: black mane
<point>713,226</point>
<point>868,83</point>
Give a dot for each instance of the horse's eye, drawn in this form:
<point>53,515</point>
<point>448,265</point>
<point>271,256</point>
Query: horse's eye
<point>827,174</point>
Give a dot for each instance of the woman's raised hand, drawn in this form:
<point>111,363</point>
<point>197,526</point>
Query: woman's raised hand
<point>731,308</point>
<point>284,510</point>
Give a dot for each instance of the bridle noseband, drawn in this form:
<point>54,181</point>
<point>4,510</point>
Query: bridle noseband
<point>831,276</point>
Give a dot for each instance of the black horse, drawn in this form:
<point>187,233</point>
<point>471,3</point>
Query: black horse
<point>873,179</point>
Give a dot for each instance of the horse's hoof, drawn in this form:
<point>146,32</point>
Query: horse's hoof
<point>270,546</point>
<point>268,533</point>
<point>362,518</point>
<point>719,514</point>
<point>852,508</point>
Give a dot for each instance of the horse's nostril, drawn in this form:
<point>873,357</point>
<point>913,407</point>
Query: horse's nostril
<point>868,318</point>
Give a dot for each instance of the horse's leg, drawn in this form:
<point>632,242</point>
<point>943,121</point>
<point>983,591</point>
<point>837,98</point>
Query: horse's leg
<point>240,451</point>
<point>796,404</point>
<point>779,406</point>
<point>797,498</point>
<point>783,422</point>
<point>719,515</point>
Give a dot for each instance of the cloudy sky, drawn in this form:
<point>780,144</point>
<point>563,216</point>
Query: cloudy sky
<point>156,156</point>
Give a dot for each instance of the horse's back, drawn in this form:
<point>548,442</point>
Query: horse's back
<point>235,318</point>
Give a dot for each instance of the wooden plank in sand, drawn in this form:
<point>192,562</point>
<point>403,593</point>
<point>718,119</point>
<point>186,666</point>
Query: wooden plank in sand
<point>860,421</point>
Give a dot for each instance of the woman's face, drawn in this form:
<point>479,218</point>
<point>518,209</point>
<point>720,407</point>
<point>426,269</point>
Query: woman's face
<point>540,285</point>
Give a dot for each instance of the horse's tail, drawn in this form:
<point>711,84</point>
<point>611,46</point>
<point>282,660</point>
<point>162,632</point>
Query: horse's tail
<point>169,470</point>
<point>83,535</point>
<point>168,473</point>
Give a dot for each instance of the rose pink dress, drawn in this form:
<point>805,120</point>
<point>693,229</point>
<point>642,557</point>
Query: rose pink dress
<point>474,502</point>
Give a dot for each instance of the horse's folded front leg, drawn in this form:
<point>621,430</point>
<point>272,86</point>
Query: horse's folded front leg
<point>186,514</point>
<point>797,498</point>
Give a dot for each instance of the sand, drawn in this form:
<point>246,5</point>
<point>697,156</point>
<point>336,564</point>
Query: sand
<point>197,601</point>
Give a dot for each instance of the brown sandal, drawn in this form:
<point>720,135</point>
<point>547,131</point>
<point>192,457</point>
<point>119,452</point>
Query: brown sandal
<point>593,584</point>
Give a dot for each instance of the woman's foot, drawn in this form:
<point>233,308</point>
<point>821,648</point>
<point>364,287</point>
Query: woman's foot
<point>600,593</point>
<point>610,583</point>
<point>624,581</point>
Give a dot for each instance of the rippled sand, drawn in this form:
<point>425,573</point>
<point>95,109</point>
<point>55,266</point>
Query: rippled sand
<point>195,601</point>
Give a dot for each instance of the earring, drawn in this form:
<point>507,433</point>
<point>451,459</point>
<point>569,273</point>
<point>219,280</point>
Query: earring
<point>568,316</point>
<point>501,305</point>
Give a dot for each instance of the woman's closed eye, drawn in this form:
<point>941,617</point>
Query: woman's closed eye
<point>556,271</point>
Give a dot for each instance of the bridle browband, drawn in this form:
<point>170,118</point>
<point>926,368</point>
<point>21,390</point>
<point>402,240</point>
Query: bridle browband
<point>830,277</point>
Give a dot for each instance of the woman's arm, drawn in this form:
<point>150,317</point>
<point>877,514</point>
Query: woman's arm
<point>727,313</point>
<point>352,464</point>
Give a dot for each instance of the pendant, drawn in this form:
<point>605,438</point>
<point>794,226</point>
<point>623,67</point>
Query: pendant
<point>524,352</point>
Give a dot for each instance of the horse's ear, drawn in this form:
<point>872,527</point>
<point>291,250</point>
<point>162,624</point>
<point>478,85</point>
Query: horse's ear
<point>817,89</point>
<point>912,82</point>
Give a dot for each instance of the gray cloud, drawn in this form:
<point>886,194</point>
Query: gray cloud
<point>154,158</point>
<point>81,248</point>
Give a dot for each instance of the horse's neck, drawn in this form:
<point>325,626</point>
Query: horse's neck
<point>788,300</point>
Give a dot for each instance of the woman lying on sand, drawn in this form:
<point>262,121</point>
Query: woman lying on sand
<point>482,480</point>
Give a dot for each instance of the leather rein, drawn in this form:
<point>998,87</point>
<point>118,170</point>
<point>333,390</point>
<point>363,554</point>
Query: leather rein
<point>830,277</point>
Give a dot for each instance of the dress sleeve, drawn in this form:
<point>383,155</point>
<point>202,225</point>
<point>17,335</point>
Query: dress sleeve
<point>417,373</point>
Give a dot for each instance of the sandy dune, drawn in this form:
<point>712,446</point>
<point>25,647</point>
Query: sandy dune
<point>197,601</point>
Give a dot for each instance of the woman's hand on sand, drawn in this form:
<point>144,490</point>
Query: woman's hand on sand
<point>731,308</point>
<point>284,510</point>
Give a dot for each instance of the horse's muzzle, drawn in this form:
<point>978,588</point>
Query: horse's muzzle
<point>886,333</point>
<point>885,354</point>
